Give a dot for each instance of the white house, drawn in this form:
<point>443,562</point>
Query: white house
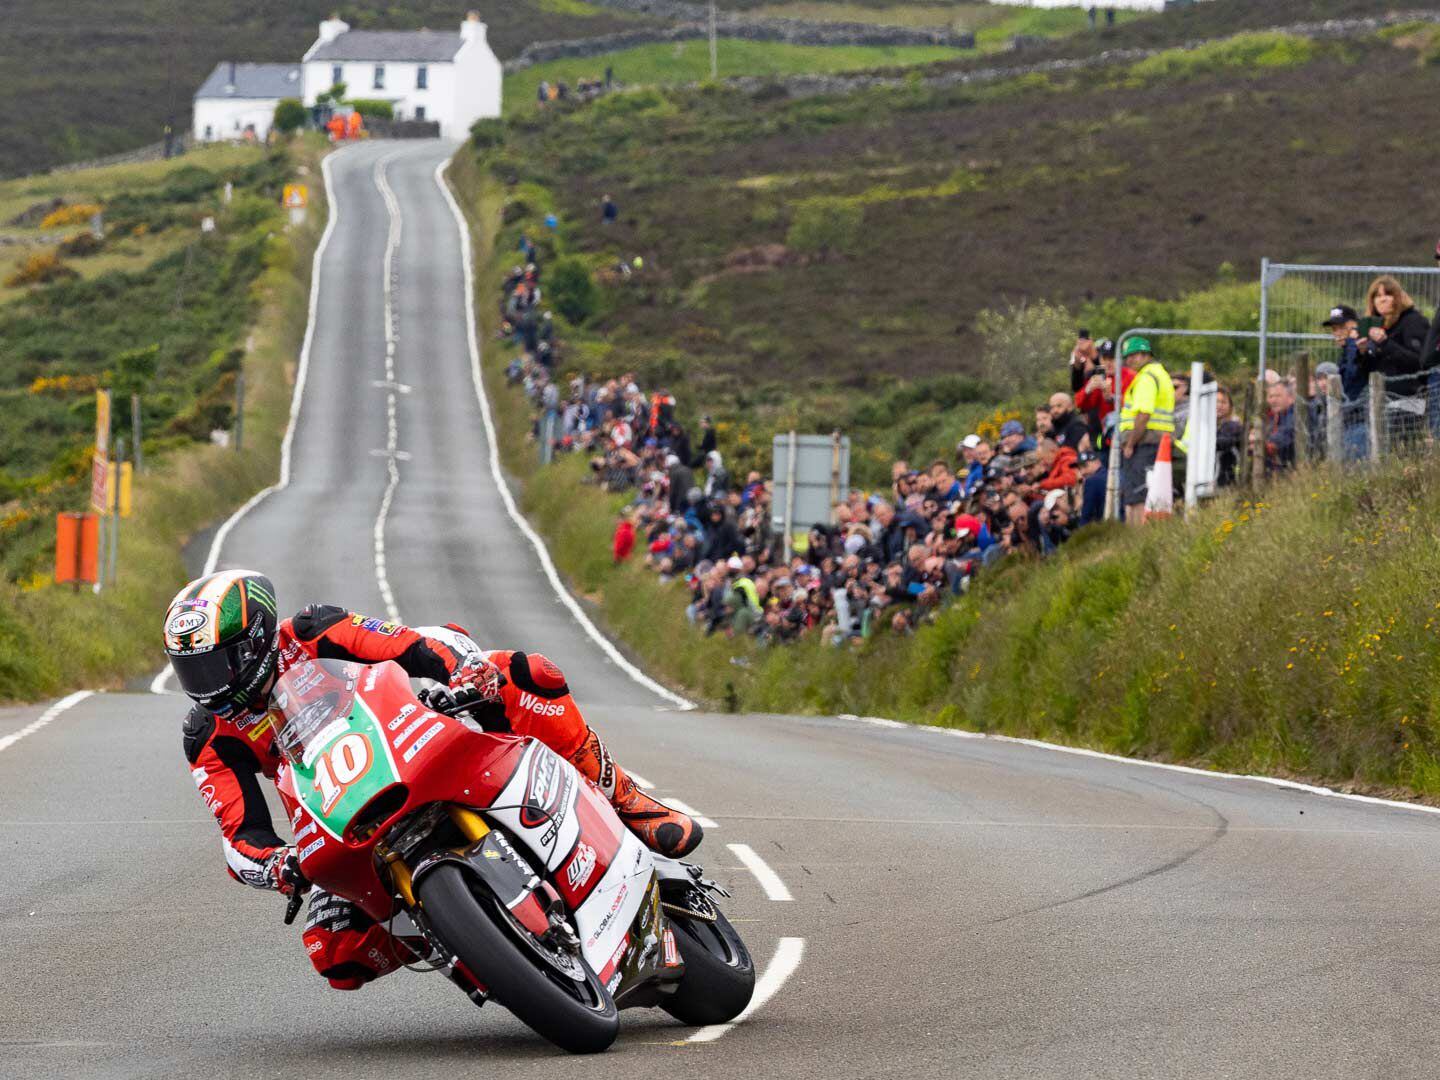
<point>238,100</point>
<point>450,77</point>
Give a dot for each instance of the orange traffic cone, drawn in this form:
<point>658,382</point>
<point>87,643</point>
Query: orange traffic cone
<point>1160,496</point>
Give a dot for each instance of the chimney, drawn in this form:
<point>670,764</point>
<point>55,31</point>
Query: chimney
<point>230,86</point>
<point>472,29</point>
<point>332,28</point>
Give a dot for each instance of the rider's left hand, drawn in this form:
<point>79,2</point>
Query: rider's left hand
<point>479,676</point>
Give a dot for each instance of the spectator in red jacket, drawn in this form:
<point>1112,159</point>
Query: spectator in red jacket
<point>1095,397</point>
<point>624,538</point>
<point>1059,465</point>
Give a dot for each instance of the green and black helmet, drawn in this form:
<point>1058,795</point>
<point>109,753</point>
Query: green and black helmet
<point>220,637</point>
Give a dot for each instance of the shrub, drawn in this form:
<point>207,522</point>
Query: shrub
<point>40,268</point>
<point>374,108</point>
<point>825,226</point>
<point>290,115</point>
<point>78,214</point>
<point>486,134</point>
<point>572,290</point>
<point>1024,345</point>
<point>82,244</point>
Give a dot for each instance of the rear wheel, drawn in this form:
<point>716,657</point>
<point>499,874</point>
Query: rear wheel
<point>551,990</point>
<point>719,975</point>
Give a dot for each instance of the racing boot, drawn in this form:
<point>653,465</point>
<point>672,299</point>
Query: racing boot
<point>662,829</point>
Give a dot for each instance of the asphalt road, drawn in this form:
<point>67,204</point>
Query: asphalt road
<point>968,907</point>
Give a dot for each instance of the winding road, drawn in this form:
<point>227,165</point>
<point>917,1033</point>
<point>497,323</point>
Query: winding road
<point>942,905</point>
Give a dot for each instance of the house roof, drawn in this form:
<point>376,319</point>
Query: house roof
<point>252,81</point>
<point>399,45</point>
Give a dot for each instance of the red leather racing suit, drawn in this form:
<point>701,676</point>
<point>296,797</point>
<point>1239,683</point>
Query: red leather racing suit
<point>227,756</point>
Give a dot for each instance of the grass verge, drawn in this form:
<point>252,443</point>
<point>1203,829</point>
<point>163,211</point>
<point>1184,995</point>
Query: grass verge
<point>51,638</point>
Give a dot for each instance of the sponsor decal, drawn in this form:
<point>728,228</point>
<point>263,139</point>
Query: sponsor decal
<point>388,629</point>
<point>582,865</point>
<point>212,802</point>
<point>309,678</point>
<point>405,712</point>
<point>192,603</point>
<point>186,623</point>
<point>379,959</point>
<point>419,743</point>
<point>491,853</point>
<point>321,741</point>
<point>371,674</point>
<point>299,811</point>
<point>260,729</point>
<point>672,951</point>
<point>620,894</point>
<point>310,848</point>
<point>414,726</point>
<point>306,831</point>
<point>199,775</point>
<point>540,707</point>
<point>314,947</point>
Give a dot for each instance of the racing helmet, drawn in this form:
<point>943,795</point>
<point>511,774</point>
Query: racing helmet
<point>220,637</point>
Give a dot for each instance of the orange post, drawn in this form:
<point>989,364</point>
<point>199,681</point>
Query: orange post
<point>77,548</point>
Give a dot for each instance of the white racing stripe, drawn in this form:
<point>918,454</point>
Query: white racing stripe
<point>392,430</point>
<point>67,702</point>
<point>785,963</point>
<point>770,881</point>
<point>1210,774</point>
<point>546,564</point>
<point>212,560</point>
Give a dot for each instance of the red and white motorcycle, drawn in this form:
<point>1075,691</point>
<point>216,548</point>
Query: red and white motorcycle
<point>516,870</point>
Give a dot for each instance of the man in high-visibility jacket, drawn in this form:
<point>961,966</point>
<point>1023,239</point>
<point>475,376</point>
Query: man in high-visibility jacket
<point>1146,416</point>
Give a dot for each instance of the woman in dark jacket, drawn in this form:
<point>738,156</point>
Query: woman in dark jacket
<point>1395,331</point>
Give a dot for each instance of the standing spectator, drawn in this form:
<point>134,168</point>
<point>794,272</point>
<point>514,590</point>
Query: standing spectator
<point>1147,415</point>
<point>717,478</point>
<point>1096,398</point>
<point>608,211</point>
<point>542,92</point>
<point>1394,339</point>
<point>707,443</point>
<point>1342,323</point>
<point>1067,427</point>
<point>1279,426</point>
<point>682,479</point>
<point>1229,438</point>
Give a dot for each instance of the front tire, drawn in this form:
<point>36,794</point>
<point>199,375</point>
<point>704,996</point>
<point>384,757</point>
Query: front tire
<point>719,977</point>
<point>576,1015</point>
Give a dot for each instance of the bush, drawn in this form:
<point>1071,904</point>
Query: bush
<point>572,290</point>
<point>290,115</point>
<point>81,245</point>
<point>78,214</point>
<point>486,134</point>
<point>40,268</point>
<point>1023,346</point>
<point>825,226</point>
<point>373,108</point>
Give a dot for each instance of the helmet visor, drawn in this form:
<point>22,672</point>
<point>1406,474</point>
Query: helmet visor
<point>220,678</point>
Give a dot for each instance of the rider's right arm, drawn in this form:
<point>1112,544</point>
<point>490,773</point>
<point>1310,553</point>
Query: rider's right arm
<point>225,772</point>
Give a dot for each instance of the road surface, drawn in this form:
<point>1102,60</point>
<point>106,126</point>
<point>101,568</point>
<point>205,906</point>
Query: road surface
<point>967,907</point>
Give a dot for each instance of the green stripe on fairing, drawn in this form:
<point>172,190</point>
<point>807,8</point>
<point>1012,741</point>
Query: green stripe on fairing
<point>379,775</point>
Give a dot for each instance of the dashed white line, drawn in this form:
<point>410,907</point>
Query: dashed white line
<point>770,881</point>
<point>786,961</point>
<point>212,560</point>
<point>392,430</point>
<point>685,808</point>
<point>67,702</point>
<point>542,552</point>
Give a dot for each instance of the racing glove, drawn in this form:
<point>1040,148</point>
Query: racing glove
<point>283,870</point>
<point>480,677</point>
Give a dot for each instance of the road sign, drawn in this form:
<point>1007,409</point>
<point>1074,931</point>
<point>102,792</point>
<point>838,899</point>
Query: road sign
<point>100,464</point>
<point>297,196</point>
<point>821,475</point>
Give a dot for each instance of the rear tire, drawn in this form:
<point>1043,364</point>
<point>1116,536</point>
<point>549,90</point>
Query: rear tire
<point>581,1018</point>
<point>719,977</point>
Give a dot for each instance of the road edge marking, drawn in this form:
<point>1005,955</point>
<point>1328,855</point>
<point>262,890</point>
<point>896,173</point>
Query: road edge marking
<point>393,239</point>
<point>67,702</point>
<point>788,954</point>
<point>1189,770</point>
<point>546,563</point>
<point>770,881</point>
<point>212,558</point>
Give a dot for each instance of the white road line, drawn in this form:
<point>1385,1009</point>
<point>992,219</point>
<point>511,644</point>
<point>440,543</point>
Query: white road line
<point>769,880</point>
<point>1190,770</point>
<point>685,808</point>
<point>212,560</point>
<point>68,701</point>
<point>392,430</point>
<point>785,963</point>
<point>546,564</point>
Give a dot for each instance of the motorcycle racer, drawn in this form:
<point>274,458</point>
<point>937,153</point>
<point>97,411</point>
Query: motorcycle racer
<point>228,648</point>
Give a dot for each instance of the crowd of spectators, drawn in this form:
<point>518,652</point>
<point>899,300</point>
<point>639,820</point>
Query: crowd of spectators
<point>888,557</point>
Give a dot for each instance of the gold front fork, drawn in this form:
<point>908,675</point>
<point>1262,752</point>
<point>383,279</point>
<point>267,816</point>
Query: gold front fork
<point>471,825</point>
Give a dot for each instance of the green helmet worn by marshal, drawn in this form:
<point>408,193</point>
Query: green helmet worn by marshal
<point>220,637</point>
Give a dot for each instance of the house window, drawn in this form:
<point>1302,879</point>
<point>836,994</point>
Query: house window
<point>337,74</point>
<point>379,77</point>
<point>419,112</point>
<point>422,77</point>
<point>209,132</point>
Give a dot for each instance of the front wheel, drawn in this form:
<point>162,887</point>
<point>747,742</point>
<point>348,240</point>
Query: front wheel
<point>555,994</point>
<point>719,975</point>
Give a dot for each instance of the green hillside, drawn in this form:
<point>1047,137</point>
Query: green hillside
<point>85,78</point>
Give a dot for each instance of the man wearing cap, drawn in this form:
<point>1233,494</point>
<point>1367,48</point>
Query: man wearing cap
<point>1343,323</point>
<point>1147,415</point>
